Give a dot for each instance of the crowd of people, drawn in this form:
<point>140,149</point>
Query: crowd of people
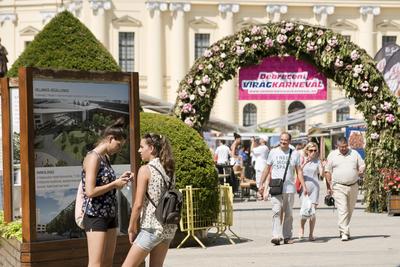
<point>300,168</point>
<point>150,237</point>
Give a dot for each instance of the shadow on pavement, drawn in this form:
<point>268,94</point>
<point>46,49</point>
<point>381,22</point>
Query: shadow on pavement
<point>325,239</point>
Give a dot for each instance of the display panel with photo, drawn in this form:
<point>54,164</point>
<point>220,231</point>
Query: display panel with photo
<point>69,116</point>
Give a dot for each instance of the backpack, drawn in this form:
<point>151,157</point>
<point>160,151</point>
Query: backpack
<point>168,210</point>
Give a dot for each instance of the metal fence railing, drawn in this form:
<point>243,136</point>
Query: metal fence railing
<point>192,220</point>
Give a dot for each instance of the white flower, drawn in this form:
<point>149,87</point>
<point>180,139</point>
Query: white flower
<point>374,123</point>
<point>237,42</point>
<point>206,79</point>
<point>364,86</point>
<point>209,66</point>
<point>281,38</point>
<point>197,82</point>
<point>357,70</point>
<point>239,50</point>
<point>301,27</point>
<point>189,122</point>
<point>373,107</point>
<point>319,41</point>
<point>309,35</point>
<point>354,55</point>
<point>255,30</point>
<point>247,39</point>
<point>338,63</point>
<point>223,55</point>
<point>192,97</point>
<point>289,26</point>
<point>374,136</point>
<point>207,53</point>
<point>254,46</point>
<point>283,31</point>
<point>376,88</point>
<point>202,90</point>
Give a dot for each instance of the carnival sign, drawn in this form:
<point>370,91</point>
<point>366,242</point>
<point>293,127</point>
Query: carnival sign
<point>282,78</point>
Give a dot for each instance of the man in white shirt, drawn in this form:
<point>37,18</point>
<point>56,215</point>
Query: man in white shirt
<point>260,154</point>
<point>221,154</point>
<point>344,165</point>
<point>276,165</point>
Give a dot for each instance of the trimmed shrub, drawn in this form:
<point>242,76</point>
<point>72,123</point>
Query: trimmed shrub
<point>193,160</point>
<point>65,43</point>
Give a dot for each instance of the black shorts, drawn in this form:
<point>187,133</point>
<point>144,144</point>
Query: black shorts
<point>97,224</point>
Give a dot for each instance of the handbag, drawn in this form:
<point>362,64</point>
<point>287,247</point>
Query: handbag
<point>79,214</point>
<point>276,185</point>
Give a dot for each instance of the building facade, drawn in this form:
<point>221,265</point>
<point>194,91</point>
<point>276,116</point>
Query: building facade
<point>162,39</point>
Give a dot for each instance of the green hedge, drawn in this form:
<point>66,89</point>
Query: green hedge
<point>65,43</point>
<point>194,163</point>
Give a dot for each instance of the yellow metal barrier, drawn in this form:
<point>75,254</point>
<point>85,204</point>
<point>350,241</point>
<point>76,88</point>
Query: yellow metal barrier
<point>191,220</point>
<point>225,216</point>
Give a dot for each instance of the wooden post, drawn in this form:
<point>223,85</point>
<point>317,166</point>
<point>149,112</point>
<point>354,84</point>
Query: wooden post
<point>7,150</point>
<point>28,201</point>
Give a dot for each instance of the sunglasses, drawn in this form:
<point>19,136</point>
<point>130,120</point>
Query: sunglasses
<point>312,150</point>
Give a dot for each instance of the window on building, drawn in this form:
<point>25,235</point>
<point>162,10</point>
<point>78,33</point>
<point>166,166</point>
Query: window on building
<point>388,39</point>
<point>126,51</point>
<point>301,125</point>
<point>201,43</point>
<point>249,115</point>
<point>343,114</point>
<point>347,38</point>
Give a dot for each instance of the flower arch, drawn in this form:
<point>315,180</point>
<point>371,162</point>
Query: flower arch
<point>342,61</point>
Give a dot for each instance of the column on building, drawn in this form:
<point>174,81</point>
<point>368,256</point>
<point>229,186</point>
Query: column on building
<point>321,13</point>
<point>154,53</point>
<point>226,104</point>
<point>179,51</point>
<point>8,28</point>
<point>367,35</point>
<point>275,108</point>
<point>99,20</point>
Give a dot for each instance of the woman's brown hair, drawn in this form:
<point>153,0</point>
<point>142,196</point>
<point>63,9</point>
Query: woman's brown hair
<point>162,150</point>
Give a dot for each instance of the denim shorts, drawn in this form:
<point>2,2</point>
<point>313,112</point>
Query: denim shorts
<point>147,240</point>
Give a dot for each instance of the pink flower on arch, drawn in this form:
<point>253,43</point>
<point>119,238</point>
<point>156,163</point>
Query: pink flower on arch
<point>390,118</point>
<point>187,108</point>
<point>189,122</point>
<point>281,38</point>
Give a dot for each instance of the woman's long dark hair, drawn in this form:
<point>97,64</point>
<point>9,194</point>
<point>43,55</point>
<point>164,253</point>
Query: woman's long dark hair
<point>162,150</point>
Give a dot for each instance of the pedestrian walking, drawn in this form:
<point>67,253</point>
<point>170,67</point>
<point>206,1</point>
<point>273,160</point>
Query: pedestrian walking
<point>99,184</point>
<point>282,163</point>
<point>342,171</point>
<point>151,237</point>
<point>311,167</point>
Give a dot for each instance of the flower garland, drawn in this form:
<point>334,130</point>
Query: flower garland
<point>344,62</point>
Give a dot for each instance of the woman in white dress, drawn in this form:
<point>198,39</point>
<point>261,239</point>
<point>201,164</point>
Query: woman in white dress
<point>312,167</point>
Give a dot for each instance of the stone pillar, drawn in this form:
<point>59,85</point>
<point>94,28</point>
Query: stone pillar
<point>8,23</point>
<point>275,11</point>
<point>321,13</point>
<point>179,60</point>
<point>367,35</point>
<point>154,49</point>
<point>226,103</point>
<point>99,19</point>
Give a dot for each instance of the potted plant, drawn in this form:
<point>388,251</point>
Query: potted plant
<point>392,187</point>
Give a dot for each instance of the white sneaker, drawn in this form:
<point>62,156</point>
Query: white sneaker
<point>345,237</point>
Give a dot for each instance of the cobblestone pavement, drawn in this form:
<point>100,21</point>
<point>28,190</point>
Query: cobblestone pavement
<point>375,241</point>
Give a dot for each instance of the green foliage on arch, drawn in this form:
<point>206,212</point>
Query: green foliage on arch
<point>344,62</point>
